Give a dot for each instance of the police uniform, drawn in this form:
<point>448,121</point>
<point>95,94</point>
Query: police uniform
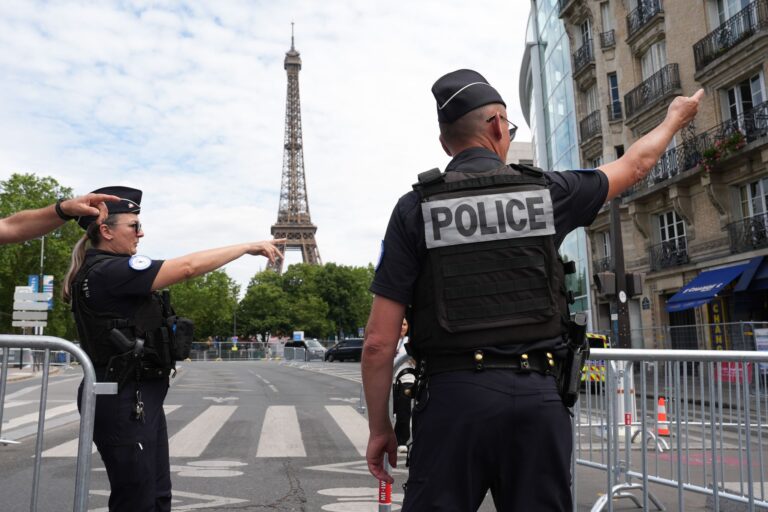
<point>486,313</point>
<point>114,291</point>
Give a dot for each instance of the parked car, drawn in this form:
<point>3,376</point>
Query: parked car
<point>314,350</point>
<point>350,348</point>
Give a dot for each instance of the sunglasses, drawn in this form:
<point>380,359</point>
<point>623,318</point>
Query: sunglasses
<point>135,225</point>
<point>512,126</point>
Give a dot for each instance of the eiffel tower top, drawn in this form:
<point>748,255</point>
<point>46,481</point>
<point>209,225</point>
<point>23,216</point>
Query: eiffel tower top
<point>292,56</point>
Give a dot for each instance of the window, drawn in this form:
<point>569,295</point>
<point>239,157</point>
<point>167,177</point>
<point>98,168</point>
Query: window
<point>754,198</point>
<point>672,229</point>
<point>613,89</point>
<point>591,99</point>
<point>744,96</point>
<point>605,13</point>
<point>728,8</point>
<point>619,151</point>
<point>605,239</point>
<point>585,32</point>
<point>596,162</point>
<point>654,59</point>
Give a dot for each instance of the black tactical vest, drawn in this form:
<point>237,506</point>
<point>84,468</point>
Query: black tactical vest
<point>492,274</point>
<point>94,327</point>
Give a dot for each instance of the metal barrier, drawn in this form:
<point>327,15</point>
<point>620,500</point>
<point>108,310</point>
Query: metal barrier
<point>88,406</point>
<point>295,354</point>
<point>700,426</point>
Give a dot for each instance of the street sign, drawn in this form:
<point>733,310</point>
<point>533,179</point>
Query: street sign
<point>33,296</point>
<point>28,323</point>
<point>30,315</point>
<point>33,281</point>
<point>298,335</point>
<point>30,306</point>
<point>48,288</point>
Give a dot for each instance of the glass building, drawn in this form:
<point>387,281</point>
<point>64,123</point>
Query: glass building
<point>547,101</point>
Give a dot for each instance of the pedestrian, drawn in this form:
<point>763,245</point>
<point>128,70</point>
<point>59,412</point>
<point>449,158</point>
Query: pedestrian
<point>127,329</point>
<point>471,256</point>
<point>29,224</point>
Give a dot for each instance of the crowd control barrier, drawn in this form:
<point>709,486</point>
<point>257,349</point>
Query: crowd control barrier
<point>691,420</point>
<point>88,406</point>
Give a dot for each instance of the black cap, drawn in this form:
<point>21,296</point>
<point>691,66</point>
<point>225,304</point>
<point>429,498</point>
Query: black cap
<point>461,91</point>
<point>130,202</point>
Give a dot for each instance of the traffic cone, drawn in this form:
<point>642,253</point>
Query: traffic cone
<point>662,424</point>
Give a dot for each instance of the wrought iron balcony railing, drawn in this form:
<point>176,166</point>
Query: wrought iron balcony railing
<point>603,264</point>
<point>614,111</point>
<point>583,56</point>
<point>749,234</point>
<point>751,19</point>
<point>640,16</point>
<point>658,86</point>
<point>671,253</point>
<point>590,126</point>
<point>608,39</point>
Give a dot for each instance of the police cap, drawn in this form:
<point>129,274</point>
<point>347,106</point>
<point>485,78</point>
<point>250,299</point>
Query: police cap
<point>461,91</point>
<point>130,202</point>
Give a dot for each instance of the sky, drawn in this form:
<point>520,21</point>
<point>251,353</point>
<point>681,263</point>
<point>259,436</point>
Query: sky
<point>186,101</point>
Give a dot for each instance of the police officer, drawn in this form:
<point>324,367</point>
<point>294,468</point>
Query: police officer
<point>29,224</point>
<point>132,337</point>
<point>472,254</point>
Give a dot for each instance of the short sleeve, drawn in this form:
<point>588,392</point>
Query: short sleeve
<point>124,281</point>
<point>577,197</point>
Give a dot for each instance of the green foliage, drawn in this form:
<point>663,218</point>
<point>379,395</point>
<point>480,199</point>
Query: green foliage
<point>17,261</point>
<point>319,300</point>
<point>209,301</point>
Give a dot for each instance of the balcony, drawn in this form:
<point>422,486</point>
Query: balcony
<point>661,84</point>
<point>583,57</point>
<point>749,234</point>
<point>607,39</point>
<point>603,265</point>
<point>671,253</point>
<point>642,15</point>
<point>614,112</point>
<point>709,147</point>
<point>590,126</point>
<point>741,26</point>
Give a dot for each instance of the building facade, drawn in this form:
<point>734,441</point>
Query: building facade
<point>696,227</point>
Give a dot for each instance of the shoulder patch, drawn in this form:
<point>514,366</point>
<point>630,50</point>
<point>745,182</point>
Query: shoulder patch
<point>139,262</point>
<point>381,257</point>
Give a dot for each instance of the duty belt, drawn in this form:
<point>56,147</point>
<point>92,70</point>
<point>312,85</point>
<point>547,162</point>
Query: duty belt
<point>144,373</point>
<point>536,361</point>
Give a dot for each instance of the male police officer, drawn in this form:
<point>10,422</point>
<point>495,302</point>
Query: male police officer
<point>28,224</point>
<point>473,252</point>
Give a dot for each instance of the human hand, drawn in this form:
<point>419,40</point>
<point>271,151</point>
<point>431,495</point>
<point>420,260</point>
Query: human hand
<point>87,205</point>
<point>683,109</point>
<point>380,445</point>
<point>266,248</point>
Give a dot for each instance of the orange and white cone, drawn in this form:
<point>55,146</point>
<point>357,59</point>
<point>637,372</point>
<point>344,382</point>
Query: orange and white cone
<point>662,424</point>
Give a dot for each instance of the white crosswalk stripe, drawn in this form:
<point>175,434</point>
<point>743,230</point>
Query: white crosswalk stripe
<point>281,434</point>
<point>192,440</point>
<point>352,423</point>
<point>32,417</point>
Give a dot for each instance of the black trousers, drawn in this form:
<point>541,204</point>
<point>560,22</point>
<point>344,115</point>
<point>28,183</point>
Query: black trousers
<point>496,429</point>
<point>135,453</point>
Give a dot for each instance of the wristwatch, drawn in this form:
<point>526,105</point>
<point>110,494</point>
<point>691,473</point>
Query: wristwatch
<point>63,216</point>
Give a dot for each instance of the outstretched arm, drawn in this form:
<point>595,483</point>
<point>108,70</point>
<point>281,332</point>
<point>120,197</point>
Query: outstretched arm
<point>29,224</point>
<point>381,335</point>
<point>199,263</point>
<point>641,156</point>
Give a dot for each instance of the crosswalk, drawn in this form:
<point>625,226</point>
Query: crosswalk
<point>280,430</point>
<point>347,371</point>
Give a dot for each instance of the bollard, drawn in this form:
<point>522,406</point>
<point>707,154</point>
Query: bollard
<point>385,490</point>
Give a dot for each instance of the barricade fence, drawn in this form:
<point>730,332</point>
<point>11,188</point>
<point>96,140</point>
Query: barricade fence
<point>721,336</point>
<point>692,420</point>
<point>247,351</point>
<point>48,345</point>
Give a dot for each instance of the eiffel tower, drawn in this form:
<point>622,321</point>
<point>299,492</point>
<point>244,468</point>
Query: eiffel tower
<point>293,220</point>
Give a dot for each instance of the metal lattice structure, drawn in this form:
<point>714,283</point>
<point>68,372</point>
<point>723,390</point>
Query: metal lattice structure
<point>293,220</point>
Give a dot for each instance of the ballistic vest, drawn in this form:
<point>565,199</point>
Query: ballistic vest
<point>94,327</point>
<point>492,275</point>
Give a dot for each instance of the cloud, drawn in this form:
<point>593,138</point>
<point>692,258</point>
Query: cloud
<point>187,102</point>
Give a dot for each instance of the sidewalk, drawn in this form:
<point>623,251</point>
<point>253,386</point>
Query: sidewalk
<point>16,374</point>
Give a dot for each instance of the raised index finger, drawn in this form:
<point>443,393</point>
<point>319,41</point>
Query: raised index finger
<point>698,95</point>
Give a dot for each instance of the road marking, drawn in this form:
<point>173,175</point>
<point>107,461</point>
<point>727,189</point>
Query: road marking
<point>352,423</point>
<point>280,433</point>
<point>69,449</point>
<point>273,388</point>
<point>348,400</point>
<point>33,416</point>
<point>356,467</point>
<point>194,438</point>
<point>265,381</point>
<point>209,469</point>
<point>220,399</point>
<point>206,501</point>
<point>9,405</point>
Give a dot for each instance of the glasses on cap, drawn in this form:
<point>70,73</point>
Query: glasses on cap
<point>512,126</point>
<point>135,225</point>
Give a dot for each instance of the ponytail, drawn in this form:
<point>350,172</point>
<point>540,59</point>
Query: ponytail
<point>78,255</point>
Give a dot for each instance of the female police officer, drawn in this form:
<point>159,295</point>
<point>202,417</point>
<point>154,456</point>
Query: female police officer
<point>127,331</point>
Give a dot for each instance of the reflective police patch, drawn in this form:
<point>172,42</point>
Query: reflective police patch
<point>472,219</point>
<point>381,257</point>
<point>138,262</point>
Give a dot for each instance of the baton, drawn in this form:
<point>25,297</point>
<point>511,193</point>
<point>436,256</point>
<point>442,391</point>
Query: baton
<point>385,490</point>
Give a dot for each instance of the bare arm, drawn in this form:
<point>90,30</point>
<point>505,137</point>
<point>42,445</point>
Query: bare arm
<point>199,263</point>
<point>29,224</point>
<point>381,336</point>
<point>641,156</point>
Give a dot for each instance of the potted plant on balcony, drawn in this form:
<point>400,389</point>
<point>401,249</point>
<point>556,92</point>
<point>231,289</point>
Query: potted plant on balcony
<point>722,148</point>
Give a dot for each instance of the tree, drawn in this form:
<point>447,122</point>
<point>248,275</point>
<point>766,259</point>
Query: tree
<point>345,289</point>
<point>17,261</point>
<point>209,301</point>
<point>264,309</point>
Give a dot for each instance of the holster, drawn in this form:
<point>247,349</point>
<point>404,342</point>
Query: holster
<point>122,368</point>
<point>402,395</point>
<point>570,368</point>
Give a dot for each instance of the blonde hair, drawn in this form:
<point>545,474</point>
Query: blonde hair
<point>91,235</point>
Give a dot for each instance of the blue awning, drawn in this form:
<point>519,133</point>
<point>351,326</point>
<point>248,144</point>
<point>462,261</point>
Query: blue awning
<point>704,287</point>
<point>755,276</point>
